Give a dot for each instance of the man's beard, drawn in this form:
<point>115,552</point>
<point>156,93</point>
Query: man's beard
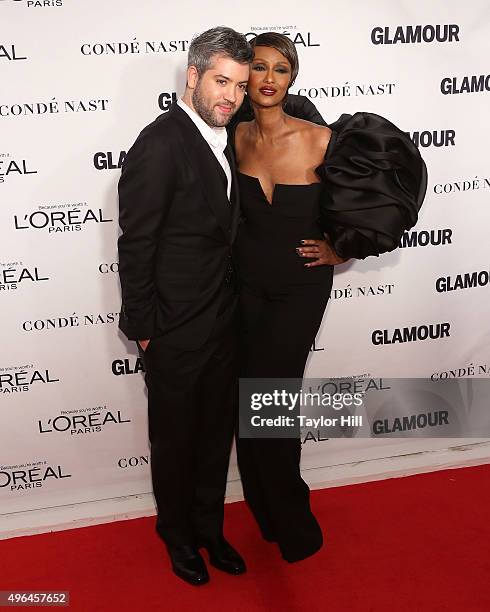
<point>205,112</point>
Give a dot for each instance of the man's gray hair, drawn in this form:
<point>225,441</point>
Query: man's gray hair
<point>220,40</point>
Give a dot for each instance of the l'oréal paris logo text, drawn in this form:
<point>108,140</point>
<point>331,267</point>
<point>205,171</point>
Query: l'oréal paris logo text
<point>315,348</point>
<point>83,421</point>
<point>300,38</point>
<point>28,476</point>
<point>61,218</point>
<point>415,34</point>
<point>133,47</point>
<point>14,275</point>
<point>36,3</point>
<point>10,53</point>
<point>20,379</point>
<point>14,167</point>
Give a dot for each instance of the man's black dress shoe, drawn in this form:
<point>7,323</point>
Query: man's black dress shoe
<point>188,564</point>
<point>224,557</point>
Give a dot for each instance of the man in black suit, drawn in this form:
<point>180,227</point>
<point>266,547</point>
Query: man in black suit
<point>179,212</point>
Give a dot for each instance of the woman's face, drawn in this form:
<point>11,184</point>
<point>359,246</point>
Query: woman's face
<point>270,75</point>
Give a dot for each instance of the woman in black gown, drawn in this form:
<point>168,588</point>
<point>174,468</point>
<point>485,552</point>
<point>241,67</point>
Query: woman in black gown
<point>311,197</point>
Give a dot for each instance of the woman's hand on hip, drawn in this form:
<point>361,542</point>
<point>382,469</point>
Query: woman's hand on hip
<point>321,250</point>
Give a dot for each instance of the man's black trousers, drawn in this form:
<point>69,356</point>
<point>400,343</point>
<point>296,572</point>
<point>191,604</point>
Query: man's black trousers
<point>191,417</point>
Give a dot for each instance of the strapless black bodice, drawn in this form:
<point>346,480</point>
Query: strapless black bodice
<point>269,234</point>
<point>373,183</point>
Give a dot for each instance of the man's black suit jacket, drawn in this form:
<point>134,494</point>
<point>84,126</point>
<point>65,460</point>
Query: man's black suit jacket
<point>178,228</point>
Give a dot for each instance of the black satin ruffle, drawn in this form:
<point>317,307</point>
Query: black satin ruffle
<point>375,183</point>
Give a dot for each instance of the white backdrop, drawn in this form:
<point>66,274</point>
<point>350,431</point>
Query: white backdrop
<point>79,80</point>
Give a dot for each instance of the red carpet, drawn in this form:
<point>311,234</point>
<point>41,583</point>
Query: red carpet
<point>406,544</point>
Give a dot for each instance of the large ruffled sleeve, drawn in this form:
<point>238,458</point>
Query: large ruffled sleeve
<point>375,183</point>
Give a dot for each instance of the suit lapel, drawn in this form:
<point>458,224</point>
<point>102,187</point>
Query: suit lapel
<point>207,166</point>
<point>234,196</point>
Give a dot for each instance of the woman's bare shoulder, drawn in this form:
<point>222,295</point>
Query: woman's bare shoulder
<point>242,128</point>
<point>240,136</point>
<point>313,135</point>
<point>309,129</point>
<point>319,134</point>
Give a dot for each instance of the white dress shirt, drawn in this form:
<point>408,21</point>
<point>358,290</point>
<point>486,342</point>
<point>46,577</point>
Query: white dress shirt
<point>216,137</point>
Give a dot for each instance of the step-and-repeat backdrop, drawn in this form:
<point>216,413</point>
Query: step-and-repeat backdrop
<point>79,80</point>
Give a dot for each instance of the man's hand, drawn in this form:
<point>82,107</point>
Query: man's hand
<point>322,250</point>
<point>143,343</point>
